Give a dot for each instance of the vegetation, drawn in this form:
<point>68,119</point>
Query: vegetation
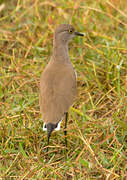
<point>97,127</point>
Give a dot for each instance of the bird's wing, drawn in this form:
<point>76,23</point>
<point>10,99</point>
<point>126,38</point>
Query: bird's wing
<point>57,92</point>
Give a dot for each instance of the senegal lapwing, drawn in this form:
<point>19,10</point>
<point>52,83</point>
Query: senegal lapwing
<point>58,87</point>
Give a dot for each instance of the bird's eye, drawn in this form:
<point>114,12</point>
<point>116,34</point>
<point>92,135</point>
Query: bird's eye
<point>70,31</point>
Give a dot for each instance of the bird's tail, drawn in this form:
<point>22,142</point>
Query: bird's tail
<point>50,128</point>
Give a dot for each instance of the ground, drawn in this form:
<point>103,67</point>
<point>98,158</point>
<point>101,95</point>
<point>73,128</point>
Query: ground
<point>97,127</point>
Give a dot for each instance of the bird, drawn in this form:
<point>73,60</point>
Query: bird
<point>58,86</point>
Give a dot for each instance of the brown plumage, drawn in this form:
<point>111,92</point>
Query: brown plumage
<point>58,90</point>
<point>58,81</point>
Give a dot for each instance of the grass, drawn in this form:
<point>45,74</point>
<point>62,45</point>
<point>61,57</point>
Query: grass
<point>97,128</point>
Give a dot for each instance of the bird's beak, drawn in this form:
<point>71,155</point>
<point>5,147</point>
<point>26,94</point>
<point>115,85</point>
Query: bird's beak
<point>79,34</point>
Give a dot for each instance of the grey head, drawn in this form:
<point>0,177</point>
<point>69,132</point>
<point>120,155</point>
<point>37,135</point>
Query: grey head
<point>65,32</point>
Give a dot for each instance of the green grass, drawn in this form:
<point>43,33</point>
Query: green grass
<point>97,128</point>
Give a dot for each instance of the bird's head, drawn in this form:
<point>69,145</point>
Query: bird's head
<point>65,32</point>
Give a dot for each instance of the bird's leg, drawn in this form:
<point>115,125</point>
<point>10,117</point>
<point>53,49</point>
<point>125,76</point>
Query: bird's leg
<point>65,131</point>
<point>48,141</point>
